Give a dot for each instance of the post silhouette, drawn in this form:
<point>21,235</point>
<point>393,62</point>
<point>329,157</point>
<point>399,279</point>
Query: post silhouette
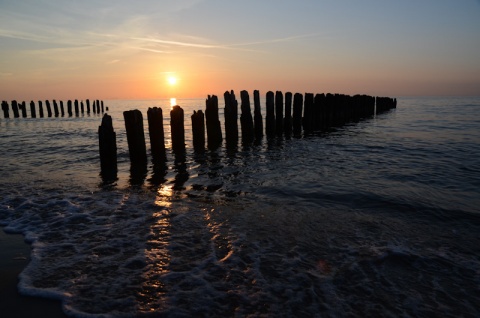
<point>135,137</point>
<point>33,113</point>
<point>287,123</point>
<point>231,118</point>
<point>69,108</point>
<point>55,108</point>
<point>198,131</point>
<point>23,107</point>
<point>297,114</point>
<point>246,119</point>
<point>157,135</point>
<point>270,119</point>
<point>214,131</point>
<point>279,113</point>
<point>40,108</point>
<point>88,106</point>
<point>178,129</point>
<point>82,108</point>
<point>308,113</point>
<point>6,113</point>
<point>62,110</point>
<point>108,148</point>
<point>77,110</point>
<point>49,109</point>
<point>257,115</point>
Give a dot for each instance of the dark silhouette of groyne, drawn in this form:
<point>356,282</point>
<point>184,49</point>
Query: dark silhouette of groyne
<point>311,113</point>
<point>58,110</point>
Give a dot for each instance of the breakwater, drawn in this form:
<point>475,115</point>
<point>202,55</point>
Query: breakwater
<point>289,115</point>
<point>52,109</point>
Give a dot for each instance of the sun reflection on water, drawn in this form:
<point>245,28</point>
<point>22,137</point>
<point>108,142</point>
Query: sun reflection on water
<point>173,102</point>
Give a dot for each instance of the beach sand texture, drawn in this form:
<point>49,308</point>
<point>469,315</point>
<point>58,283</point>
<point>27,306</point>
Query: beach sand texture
<point>14,256</point>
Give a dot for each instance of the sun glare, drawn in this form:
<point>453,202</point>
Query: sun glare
<point>173,102</point>
<point>172,80</point>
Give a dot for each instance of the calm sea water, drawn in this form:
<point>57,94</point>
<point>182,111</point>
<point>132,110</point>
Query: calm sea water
<point>375,218</point>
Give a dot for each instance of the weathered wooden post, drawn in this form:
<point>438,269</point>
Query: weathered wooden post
<point>318,111</point>
<point>40,108</point>
<point>94,107</point>
<point>55,108</point>
<point>279,113</point>
<point>178,129</point>
<point>198,131</point>
<point>297,114</point>
<point>270,119</point>
<point>33,113</point>
<point>69,108</point>
<point>287,123</point>
<point>246,119</point>
<point>135,137</point>
<point>16,114</point>
<point>82,108</point>
<point>88,106</point>
<point>214,131</point>
<point>308,113</point>
<point>231,118</point>
<point>157,135</point>
<point>23,107</point>
<point>102,107</point>
<point>98,106</point>
<point>77,110</point>
<point>108,147</point>
<point>62,110</point>
<point>6,113</point>
<point>257,115</point>
<point>49,109</point>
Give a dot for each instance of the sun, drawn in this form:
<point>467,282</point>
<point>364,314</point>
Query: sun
<point>172,80</point>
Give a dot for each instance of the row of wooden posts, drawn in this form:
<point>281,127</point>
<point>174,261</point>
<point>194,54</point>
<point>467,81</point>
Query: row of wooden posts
<point>78,107</point>
<point>312,113</point>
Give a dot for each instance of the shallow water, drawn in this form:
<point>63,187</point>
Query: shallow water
<point>378,217</point>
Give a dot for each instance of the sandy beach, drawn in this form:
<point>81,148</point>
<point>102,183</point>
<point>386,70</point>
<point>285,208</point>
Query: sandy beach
<point>14,256</point>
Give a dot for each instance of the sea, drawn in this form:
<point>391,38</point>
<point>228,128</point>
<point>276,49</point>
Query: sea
<point>377,218</point>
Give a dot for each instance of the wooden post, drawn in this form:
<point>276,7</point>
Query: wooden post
<point>214,131</point>
<point>94,107</point>
<point>108,147</point>
<point>198,131</point>
<point>135,137</point>
<point>270,119</point>
<point>77,110</point>
<point>15,109</point>
<point>319,112</point>
<point>287,123</point>
<point>102,107</point>
<point>178,129</point>
<point>23,107</point>
<point>157,135</point>
<point>308,113</point>
<point>33,113</point>
<point>98,106</point>
<point>231,118</point>
<point>88,106</point>
<point>6,113</point>
<point>40,108</point>
<point>69,108</point>
<point>55,108</point>
<point>82,108</point>
<point>279,113</point>
<point>257,117</point>
<point>246,119</point>
<point>62,110</point>
<point>49,109</point>
<point>297,114</point>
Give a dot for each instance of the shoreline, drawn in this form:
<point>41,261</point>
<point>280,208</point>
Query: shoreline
<point>14,257</point>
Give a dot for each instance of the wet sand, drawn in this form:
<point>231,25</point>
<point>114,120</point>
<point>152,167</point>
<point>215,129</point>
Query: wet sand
<point>14,256</point>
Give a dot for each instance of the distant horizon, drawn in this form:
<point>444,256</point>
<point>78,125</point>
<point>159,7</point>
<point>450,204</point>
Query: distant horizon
<point>184,48</point>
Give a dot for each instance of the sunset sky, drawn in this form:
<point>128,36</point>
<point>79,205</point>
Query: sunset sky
<point>122,49</point>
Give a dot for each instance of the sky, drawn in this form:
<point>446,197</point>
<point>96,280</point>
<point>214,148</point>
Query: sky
<point>122,49</point>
